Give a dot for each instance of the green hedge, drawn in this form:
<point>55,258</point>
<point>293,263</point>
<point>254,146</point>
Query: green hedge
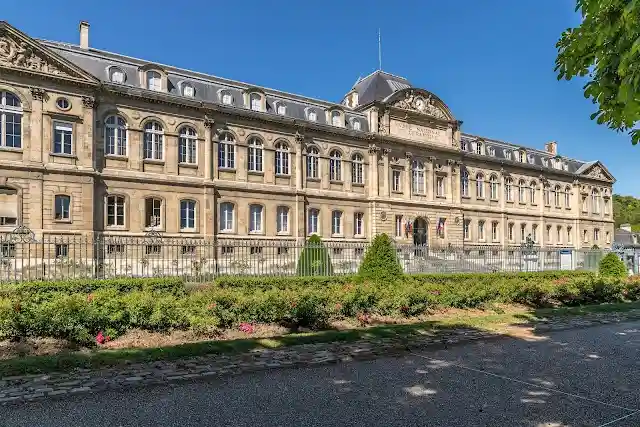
<point>79,316</point>
<point>171,285</point>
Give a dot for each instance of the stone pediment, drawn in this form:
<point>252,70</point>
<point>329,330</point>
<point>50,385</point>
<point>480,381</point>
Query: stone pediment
<point>599,172</point>
<point>20,52</point>
<point>422,103</point>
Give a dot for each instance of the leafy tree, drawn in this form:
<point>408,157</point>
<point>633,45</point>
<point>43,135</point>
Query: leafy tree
<point>314,259</point>
<point>626,210</point>
<point>612,266</point>
<point>380,262</point>
<point>605,48</point>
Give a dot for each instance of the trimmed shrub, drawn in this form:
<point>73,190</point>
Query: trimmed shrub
<point>314,259</point>
<point>380,261</point>
<point>612,266</point>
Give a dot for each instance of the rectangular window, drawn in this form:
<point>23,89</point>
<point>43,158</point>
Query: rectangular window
<point>187,215</point>
<point>187,153</point>
<point>152,249</point>
<point>440,186</point>
<point>115,211</point>
<point>62,138</point>
<point>523,232</point>
<point>312,164</point>
<point>62,251</point>
<point>226,155</point>
<point>282,160</point>
<point>559,235</point>
<point>549,236</point>
<point>606,207</point>
<point>312,221</point>
<point>510,232</point>
<point>337,251</point>
<point>10,127</point>
<point>534,232</point>
<point>188,250</point>
<point>399,227</point>
<point>282,219</point>
<point>596,234</point>
<point>585,237</point>
<point>255,250</point>
<point>336,223</point>
<point>154,81</point>
<point>226,217</point>
<point>608,237</point>
<point>283,250</point>
<point>481,230</point>
<point>494,232</point>
<point>358,224</point>
<point>396,184</point>
<point>8,250</point>
<point>153,213</point>
<point>584,204</point>
<point>62,208</point>
<point>115,249</point>
<point>255,219</point>
<point>465,229</point>
<point>569,239</point>
<point>226,250</point>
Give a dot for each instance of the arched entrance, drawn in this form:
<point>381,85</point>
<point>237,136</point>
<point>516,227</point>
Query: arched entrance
<point>420,232</point>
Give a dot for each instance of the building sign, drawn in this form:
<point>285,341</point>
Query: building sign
<point>417,132</point>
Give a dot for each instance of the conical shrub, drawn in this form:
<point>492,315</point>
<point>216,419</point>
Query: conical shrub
<point>314,259</point>
<point>380,261</point>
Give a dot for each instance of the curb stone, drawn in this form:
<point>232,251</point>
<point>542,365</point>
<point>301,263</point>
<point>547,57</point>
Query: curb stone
<point>28,388</point>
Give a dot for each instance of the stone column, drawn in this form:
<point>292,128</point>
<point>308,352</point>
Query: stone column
<point>373,166</point>
<point>171,154</point>
<point>501,191</point>
<point>299,166</point>
<point>241,159</point>
<point>386,188</point>
<point>37,147</point>
<point>373,120</point>
<point>208,149</point>
<point>430,177</point>
<point>407,175</point>
<point>451,191</point>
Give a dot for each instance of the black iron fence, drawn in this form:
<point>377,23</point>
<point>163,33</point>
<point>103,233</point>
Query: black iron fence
<point>26,258</point>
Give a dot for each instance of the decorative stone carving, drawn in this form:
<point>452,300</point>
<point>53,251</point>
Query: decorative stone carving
<point>386,151</point>
<point>269,137</point>
<point>37,93</point>
<point>135,115</point>
<point>421,104</point>
<point>171,122</point>
<point>597,173</point>
<point>383,216</point>
<point>381,126</point>
<point>299,137</point>
<point>209,122</point>
<point>431,158</point>
<point>408,155</point>
<point>89,102</point>
<point>19,54</point>
<point>395,160</point>
<point>241,132</point>
<point>373,149</point>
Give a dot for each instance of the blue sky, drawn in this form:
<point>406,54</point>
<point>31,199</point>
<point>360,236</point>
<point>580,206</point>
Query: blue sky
<point>490,61</point>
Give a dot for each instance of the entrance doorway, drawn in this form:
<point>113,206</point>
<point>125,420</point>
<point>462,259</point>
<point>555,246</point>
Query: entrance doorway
<point>420,232</point>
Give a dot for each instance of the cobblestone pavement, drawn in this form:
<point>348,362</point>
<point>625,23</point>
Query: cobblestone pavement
<point>25,388</point>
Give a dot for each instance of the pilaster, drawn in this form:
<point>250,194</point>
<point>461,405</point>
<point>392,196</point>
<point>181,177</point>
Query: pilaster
<point>36,149</point>
<point>299,167</point>
<point>208,148</point>
<point>386,184</point>
<point>373,166</point>
<point>407,175</point>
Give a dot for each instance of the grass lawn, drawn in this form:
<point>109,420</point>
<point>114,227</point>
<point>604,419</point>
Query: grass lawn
<point>503,320</point>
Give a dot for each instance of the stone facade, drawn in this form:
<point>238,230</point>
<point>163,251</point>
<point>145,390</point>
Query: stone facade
<point>98,143</point>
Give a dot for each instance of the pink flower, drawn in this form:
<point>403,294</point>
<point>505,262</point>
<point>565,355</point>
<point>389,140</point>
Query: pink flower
<point>89,297</point>
<point>211,306</point>
<point>108,338</point>
<point>246,328</point>
<point>100,338</point>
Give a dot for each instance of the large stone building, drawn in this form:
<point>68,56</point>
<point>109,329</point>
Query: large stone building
<point>94,142</point>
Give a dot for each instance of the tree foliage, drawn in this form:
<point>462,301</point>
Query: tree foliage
<point>612,266</point>
<point>314,259</point>
<point>381,261</point>
<point>605,48</point>
<point>626,210</point>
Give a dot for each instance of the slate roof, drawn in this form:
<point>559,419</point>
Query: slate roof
<point>379,85</point>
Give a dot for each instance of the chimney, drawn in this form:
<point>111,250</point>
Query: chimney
<point>551,147</point>
<point>84,34</point>
<point>625,227</point>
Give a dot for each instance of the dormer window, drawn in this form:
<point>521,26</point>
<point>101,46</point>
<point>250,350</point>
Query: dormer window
<point>226,98</point>
<point>463,145</point>
<point>479,149</point>
<point>531,159</point>
<point>565,166</point>
<point>507,154</point>
<point>281,109</point>
<point>336,118</point>
<point>312,116</point>
<point>545,162</point>
<point>154,81</point>
<point>492,151</point>
<point>255,102</point>
<point>188,90</point>
<point>356,125</point>
<point>522,157</point>
<point>116,75</point>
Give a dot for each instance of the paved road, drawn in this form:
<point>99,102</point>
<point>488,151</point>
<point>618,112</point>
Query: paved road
<point>585,377</point>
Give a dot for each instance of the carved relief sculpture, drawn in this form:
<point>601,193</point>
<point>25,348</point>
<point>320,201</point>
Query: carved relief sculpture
<point>420,104</point>
<point>597,173</point>
<point>17,54</point>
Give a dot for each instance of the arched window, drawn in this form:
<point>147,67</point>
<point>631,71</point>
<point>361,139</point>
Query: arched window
<point>335,166</point>
<point>282,219</point>
<point>254,154</point>
<point>256,219</point>
<point>336,118</point>
<point>226,151</point>
<point>357,169</point>
<point>187,215</point>
<point>480,186</point>
<point>153,141</point>
<point>154,81</point>
<point>356,125</point>
<point>281,109</point>
<point>187,145</point>
<point>479,148</point>
<point>282,158</point>
<point>567,197</point>
<point>493,187</point>
<point>10,120</point>
<point>227,217</point>
<point>556,195</point>
<point>547,195</point>
<point>153,212</point>
<point>418,181</point>
<point>595,201</point>
<point>115,136</point>
<point>532,192</point>
<point>227,99</point>
<point>255,102</point>
<point>313,156</point>
<point>336,223</point>
<point>508,189</point>
<point>116,75</point>
<point>313,221</point>
<point>522,157</point>
<point>115,211</point>
<point>464,183</point>
<point>312,116</point>
<point>522,191</point>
